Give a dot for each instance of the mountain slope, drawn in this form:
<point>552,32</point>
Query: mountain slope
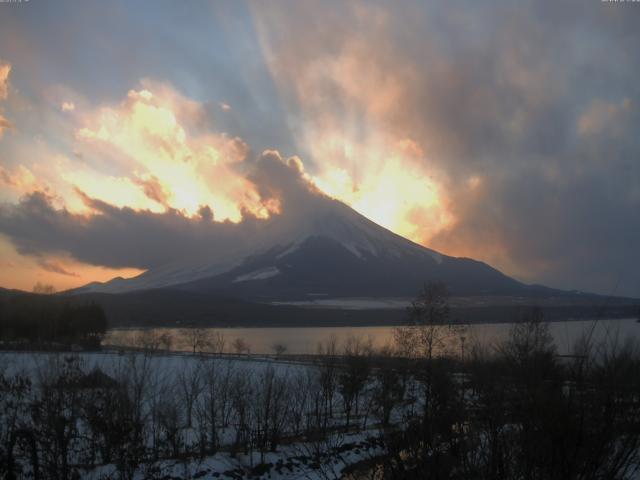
<point>321,266</point>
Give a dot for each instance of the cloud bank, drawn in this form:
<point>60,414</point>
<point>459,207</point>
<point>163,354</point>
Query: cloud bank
<point>120,237</point>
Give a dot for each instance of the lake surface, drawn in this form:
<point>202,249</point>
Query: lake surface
<point>305,340</point>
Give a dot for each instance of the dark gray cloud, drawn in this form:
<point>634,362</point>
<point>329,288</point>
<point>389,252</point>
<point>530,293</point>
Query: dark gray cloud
<point>54,267</point>
<point>114,237</point>
<point>283,179</point>
<point>124,237</point>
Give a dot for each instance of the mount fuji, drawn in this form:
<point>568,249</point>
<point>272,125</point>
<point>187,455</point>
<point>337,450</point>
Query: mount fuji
<point>325,250</point>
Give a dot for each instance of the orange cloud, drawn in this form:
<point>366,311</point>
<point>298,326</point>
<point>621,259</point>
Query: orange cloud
<point>21,179</point>
<point>5,70</point>
<point>170,153</point>
<point>4,125</point>
<point>154,189</point>
<point>601,116</point>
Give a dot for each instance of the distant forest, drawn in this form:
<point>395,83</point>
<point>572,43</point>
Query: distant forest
<point>46,320</point>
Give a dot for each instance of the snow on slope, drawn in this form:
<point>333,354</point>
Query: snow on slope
<point>261,274</point>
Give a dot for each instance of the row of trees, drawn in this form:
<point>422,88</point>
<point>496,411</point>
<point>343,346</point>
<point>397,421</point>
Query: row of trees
<point>40,319</point>
<point>196,340</point>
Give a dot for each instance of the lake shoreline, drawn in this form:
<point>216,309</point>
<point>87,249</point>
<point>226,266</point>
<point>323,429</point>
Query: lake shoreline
<point>305,339</point>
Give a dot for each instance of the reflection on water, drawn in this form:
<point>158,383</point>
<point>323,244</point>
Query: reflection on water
<point>304,340</point>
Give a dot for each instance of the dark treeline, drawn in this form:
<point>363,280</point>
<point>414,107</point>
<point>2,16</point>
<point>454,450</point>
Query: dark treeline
<point>46,319</point>
<point>520,411</point>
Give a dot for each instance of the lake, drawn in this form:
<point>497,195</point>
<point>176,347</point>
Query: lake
<point>304,340</point>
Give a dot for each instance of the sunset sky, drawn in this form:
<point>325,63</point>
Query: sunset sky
<point>504,131</point>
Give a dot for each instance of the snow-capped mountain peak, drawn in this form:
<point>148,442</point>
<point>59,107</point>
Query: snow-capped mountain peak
<point>329,249</point>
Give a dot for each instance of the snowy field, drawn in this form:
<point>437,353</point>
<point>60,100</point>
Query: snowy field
<point>238,407</point>
<point>168,366</point>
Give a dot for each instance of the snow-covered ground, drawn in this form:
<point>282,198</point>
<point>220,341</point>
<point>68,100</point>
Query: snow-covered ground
<point>295,461</point>
<point>170,377</point>
<point>112,362</point>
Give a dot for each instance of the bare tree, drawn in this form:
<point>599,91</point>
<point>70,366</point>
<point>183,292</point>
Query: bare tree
<point>354,374</point>
<point>300,399</point>
<point>430,325</point>
<point>56,412</point>
<point>148,340</point>
<point>279,349</point>
<point>165,340</point>
<point>214,409</point>
<point>388,390</point>
<point>328,374</point>
<point>170,420</point>
<point>197,338</point>
<point>270,407</point>
<point>240,346</point>
<point>326,453</point>
<point>189,383</point>
<point>138,377</point>
<point>241,394</point>
<point>217,342</point>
